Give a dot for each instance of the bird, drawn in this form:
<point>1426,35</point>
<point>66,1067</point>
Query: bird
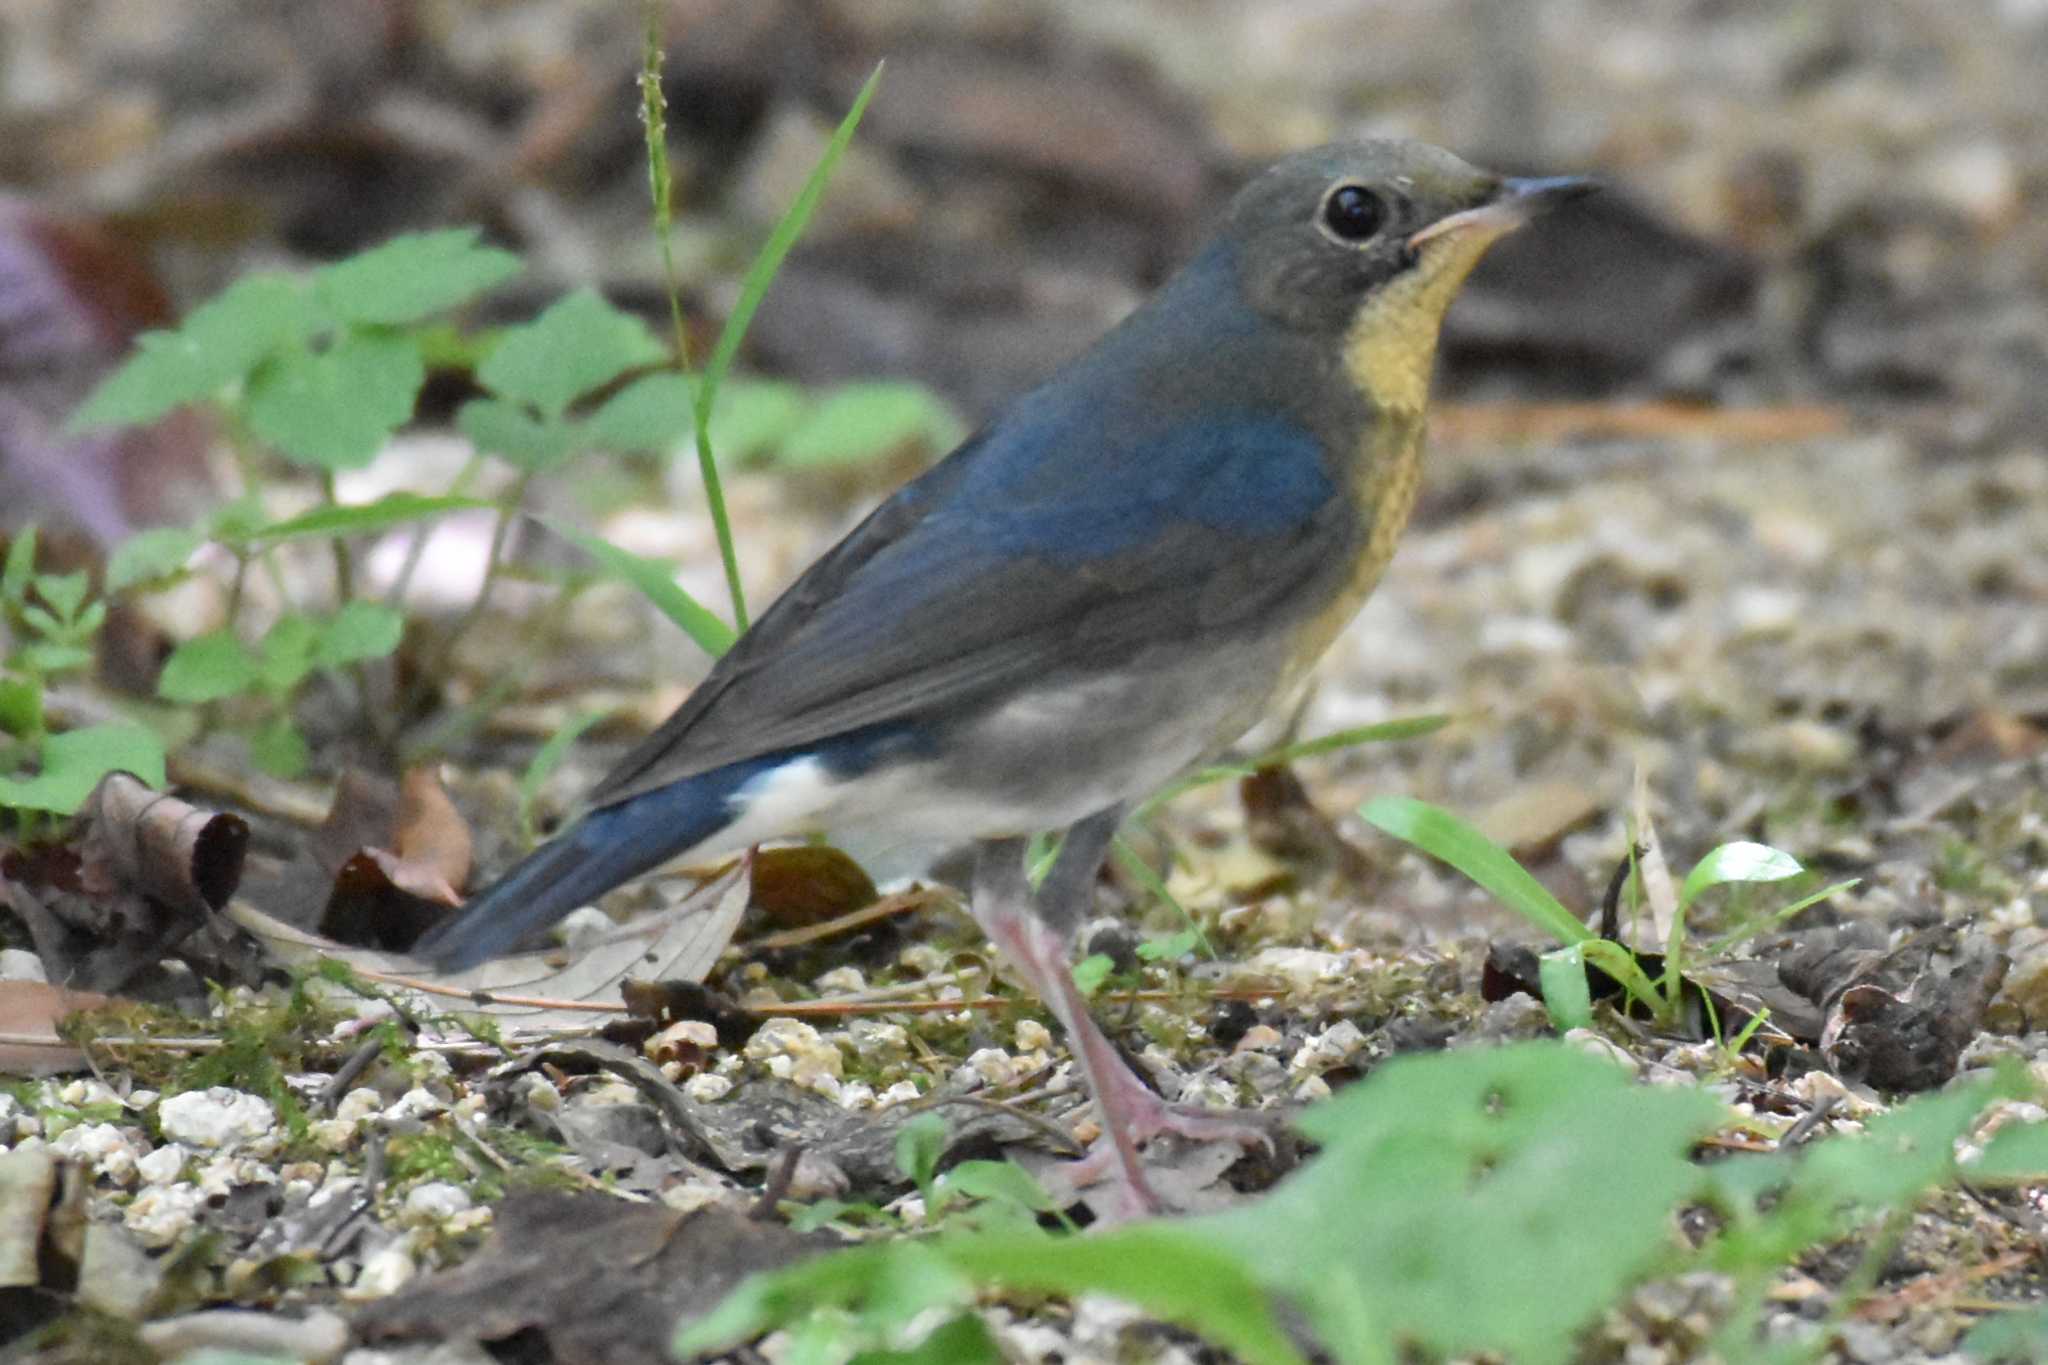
<point>1102,588</point>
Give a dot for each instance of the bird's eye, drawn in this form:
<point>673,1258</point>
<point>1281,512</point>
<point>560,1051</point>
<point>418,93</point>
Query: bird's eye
<point>1353,213</point>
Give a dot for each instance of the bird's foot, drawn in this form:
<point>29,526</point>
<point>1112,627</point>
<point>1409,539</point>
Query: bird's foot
<point>1143,1116</point>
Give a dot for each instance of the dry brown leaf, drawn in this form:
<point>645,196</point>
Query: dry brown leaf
<point>29,1014</point>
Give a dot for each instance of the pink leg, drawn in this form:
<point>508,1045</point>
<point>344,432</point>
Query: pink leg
<point>1131,1112</point>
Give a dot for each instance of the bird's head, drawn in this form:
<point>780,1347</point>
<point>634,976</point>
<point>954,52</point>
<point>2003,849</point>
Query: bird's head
<point>1367,243</point>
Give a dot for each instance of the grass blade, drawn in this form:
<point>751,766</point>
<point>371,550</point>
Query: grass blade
<point>656,581</point>
<point>1445,837</point>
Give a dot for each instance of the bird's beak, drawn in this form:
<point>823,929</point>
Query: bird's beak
<point>1517,201</point>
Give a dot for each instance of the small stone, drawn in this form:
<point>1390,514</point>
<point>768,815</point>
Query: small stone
<point>1260,1038</point>
<point>434,1203</point>
<point>220,1176</point>
<point>103,1147</point>
<point>1517,1016</point>
<point>1301,968</point>
<point>1598,1045</point>
<point>990,1066</point>
<point>803,1054</point>
<point>816,1176</point>
<point>585,927</point>
<point>1332,1047</point>
<point>903,1092</point>
<point>218,1118</point>
<point>162,1214</point>
<point>384,1273</point>
<point>707,1088</point>
<point>922,958</point>
<point>842,981</point>
<point>242,1333</point>
<point>358,1104</point>
<point>539,1093</point>
<point>416,1103</point>
<point>856,1095</point>
<point>876,1038</point>
<point>1312,1089</point>
<point>333,1135</point>
<point>17,964</point>
<point>1032,1036</point>
<point>163,1165</point>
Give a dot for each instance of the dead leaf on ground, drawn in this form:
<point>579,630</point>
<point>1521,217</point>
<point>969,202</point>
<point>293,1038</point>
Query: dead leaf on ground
<point>145,872</point>
<point>29,1014</point>
<point>140,839</point>
<point>587,1278</point>
<point>805,884</point>
<point>397,855</point>
<point>538,992</point>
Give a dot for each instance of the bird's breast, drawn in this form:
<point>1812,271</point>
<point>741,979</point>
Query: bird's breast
<point>1382,486</point>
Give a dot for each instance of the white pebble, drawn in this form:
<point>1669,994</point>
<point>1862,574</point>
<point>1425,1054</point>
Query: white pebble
<point>219,1117</point>
<point>707,1088</point>
<point>435,1202</point>
<point>1032,1036</point>
<point>842,981</point>
<point>384,1273</point>
<point>101,1147</point>
<point>162,1214</point>
<point>416,1103</point>
<point>877,1038</point>
<point>903,1092</point>
<point>163,1165</point>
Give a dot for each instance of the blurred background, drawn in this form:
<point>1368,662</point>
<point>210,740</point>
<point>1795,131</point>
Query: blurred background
<point>1742,460</point>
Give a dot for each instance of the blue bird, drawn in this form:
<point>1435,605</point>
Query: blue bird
<point>1103,588</point>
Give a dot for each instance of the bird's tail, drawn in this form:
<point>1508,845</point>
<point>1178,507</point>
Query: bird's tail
<point>605,848</point>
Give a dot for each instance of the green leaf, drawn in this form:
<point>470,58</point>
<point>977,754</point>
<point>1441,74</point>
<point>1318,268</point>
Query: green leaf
<point>651,415</point>
<point>1091,971</point>
<point>1737,862</point>
<point>753,416</point>
<point>207,668</point>
<point>393,509</point>
<point>279,749</point>
<point>362,630</point>
<point>1171,1269</point>
<point>768,261</point>
<point>656,583</point>
<point>151,556</point>
<point>1001,1182</point>
<point>864,421</point>
<point>334,409</point>
<point>1167,949</point>
<point>236,521</point>
<point>216,346</point>
<point>287,653</point>
<point>2016,1153</point>
<point>919,1145</point>
<point>20,566</point>
<point>1562,974</point>
<point>508,430</point>
<point>413,275</point>
<point>1452,1202</point>
<point>2018,1336</point>
<point>962,1340</point>
<point>578,344</point>
<point>52,657</point>
<point>65,592</point>
<point>74,762</point>
<point>21,706</point>
<point>1444,836</point>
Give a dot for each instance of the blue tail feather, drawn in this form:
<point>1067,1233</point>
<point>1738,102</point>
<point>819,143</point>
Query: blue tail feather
<point>603,849</point>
